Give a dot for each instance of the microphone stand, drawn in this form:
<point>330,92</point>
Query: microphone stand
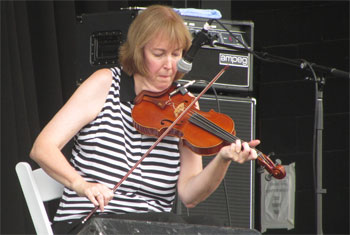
<point>318,125</point>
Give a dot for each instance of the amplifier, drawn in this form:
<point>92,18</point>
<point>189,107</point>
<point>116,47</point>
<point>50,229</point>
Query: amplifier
<point>210,60</point>
<point>99,36</point>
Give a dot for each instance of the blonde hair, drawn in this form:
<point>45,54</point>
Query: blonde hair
<point>156,19</point>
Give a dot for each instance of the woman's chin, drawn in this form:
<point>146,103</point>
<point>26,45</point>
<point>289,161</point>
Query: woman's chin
<point>164,83</point>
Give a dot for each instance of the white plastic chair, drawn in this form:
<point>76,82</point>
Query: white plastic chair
<point>38,187</point>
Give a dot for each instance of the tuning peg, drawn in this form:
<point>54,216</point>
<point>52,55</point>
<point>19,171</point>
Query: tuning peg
<point>278,162</point>
<point>260,169</point>
<point>268,177</point>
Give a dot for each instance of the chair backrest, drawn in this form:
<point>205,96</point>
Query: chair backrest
<point>38,187</point>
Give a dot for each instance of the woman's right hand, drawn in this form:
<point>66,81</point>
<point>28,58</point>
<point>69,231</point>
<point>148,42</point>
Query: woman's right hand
<point>83,107</point>
<point>98,194</point>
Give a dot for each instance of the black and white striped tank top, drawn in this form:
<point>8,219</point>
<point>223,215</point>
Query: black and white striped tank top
<point>108,147</point>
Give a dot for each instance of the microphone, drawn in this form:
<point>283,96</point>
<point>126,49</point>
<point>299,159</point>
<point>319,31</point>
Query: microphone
<point>185,64</point>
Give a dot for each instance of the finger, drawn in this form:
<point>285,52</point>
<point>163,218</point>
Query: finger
<point>253,154</point>
<point>245,148</point>
<point>254,143</point>
<point>108,197</point>
<point>243,156</point>
<point>101,201</point>
<point>238,146</point>
<point>93,199</point>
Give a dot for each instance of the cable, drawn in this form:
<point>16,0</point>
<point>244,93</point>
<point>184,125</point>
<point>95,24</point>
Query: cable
<point>224,180</point>
<point>244,45</point>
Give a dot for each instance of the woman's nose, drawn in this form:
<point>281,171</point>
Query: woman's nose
<point>168,63</point>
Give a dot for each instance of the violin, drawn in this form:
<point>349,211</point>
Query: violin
<point>205,133</point>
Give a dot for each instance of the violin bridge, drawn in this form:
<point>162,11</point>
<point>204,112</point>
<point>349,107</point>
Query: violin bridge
<point>179,109</point>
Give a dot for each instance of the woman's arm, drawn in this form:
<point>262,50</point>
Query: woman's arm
<point>195,184</point>
<point>84,105</point>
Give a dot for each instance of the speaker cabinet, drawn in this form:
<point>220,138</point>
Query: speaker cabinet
<point>99,36</point>
<point>233,201</point>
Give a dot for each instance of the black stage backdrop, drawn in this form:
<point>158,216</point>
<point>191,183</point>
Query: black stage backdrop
<point>38,74</point>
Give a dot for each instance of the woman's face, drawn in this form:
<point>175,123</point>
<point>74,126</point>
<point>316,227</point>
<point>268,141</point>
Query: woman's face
<point>161,58</point>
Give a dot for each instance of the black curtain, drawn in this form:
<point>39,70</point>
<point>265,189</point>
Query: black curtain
<point>37,76</point>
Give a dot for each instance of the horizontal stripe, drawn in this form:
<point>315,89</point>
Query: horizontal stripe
<point>107,148</point>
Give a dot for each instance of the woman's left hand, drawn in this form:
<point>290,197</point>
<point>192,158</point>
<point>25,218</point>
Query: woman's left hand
<point>240,152</point>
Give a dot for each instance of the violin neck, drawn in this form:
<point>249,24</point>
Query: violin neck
<point>202,122</point>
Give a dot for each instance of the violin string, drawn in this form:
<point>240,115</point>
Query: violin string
<point>204,123</point>
<point>200,121</point>
<point>214,129</point>
<point>223,133</point>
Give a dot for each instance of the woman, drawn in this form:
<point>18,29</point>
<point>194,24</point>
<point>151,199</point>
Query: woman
<point>106,145</point>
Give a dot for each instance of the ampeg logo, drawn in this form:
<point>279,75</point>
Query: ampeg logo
<point>233,60</point>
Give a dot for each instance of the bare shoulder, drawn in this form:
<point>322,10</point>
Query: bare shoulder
<point>102,77</point>
<point>97,85</point>
<point>91,94</point>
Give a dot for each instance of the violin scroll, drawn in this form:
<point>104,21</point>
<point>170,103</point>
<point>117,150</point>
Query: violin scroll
<point>275,170</point>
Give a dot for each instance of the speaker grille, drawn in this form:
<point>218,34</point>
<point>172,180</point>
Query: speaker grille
<point>237,208</point>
